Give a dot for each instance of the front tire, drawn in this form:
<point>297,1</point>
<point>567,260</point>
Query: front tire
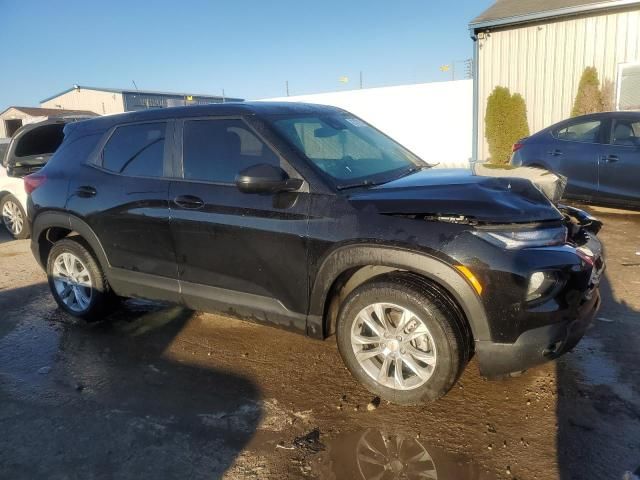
<point>76,280</point>
<point>401,339</point>
<point>14,218</point>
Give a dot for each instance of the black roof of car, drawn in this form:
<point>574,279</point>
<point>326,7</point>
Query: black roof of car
<point>218,109</point>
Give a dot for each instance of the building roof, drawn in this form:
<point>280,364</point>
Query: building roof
<point>49,112</point>
<point>508,12</point>
<point>139,92</point>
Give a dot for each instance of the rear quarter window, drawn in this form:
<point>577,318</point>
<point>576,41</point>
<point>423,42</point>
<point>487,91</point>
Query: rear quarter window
<point>136,150</point>
<point>76,149</point>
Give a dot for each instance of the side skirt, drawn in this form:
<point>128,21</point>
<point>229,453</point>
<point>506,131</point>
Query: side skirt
<point>255,308</point>
<point>246,306</point>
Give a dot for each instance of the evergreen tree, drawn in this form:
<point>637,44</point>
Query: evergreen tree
<point>589,97</point>
<point>505,123</point>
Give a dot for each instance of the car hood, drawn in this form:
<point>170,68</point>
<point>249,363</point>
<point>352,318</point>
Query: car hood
<point>459,192</point>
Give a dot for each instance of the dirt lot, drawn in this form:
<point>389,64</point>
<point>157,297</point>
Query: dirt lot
<point>168,393</point>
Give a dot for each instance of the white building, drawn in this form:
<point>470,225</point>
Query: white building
<point>106,101</point>
<point>13,118</point>
<point>434,120</point>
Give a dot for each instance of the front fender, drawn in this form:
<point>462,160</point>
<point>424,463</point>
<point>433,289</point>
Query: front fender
<point>353,256</point>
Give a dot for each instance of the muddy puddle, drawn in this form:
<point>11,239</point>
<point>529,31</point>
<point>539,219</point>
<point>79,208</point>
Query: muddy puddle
<point>373,454</point>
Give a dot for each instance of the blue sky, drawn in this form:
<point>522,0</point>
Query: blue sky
<point>249,48</point>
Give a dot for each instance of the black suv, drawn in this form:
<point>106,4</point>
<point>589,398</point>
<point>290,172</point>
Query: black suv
<point>308,218</point>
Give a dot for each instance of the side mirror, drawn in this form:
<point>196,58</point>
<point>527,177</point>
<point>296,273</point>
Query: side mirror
<point>265,178</point>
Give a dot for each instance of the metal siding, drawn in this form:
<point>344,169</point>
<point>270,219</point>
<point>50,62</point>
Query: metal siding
<point>544,62</point>
<point>134,101</point>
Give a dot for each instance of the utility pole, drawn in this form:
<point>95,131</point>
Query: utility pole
<point>360,79</point>
<point>468,64</point>
<point>286,86</point>
<point>453,70</point>
<point>223,97</point>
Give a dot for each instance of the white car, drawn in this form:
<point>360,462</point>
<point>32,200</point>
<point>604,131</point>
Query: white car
<point>13,205</point>
<point>30,149</point>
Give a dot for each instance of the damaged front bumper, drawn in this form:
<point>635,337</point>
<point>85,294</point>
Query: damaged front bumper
<point>570,312</point>
<point>538,345</point>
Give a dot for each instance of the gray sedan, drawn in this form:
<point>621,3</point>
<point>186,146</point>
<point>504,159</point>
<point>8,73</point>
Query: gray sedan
<point>598,153</point>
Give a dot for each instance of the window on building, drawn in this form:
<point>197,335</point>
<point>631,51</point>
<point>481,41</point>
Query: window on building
<point>585,132</point>
<point>136,150</point>
<point>217,150</point>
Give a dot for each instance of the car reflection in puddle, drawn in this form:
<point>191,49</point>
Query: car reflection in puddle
<point>376,455</point>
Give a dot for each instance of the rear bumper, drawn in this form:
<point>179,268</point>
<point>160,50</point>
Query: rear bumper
<point>536,346</point>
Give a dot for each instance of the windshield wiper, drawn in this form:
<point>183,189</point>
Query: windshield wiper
<point>414,169</point>
<point>366,183</point>
<point>370,183</point>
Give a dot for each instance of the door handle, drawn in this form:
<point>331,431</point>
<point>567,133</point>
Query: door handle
<point>190,202</point>
<point>555,153</point>
<point>86,191</point>
<point>610,158</point>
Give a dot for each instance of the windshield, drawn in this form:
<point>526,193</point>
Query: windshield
<point>347,149</point>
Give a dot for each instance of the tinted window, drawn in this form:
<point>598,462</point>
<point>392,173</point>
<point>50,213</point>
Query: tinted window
<point>136,150</point>
<point>586,132</point>
<point>40,141</point>
<point>216,150</point>
<point>76,149</point>
<point>626,133</point>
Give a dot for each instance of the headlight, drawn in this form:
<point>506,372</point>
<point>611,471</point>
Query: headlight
<point>514,239</point>
<point>541,284</point>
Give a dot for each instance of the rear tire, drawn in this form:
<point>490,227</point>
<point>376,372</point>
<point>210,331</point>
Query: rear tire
<point>77,281</point>
<point>14,218</point>
<point>420,351</point>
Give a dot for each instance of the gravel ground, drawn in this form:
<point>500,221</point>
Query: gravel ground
<point>165,392</point>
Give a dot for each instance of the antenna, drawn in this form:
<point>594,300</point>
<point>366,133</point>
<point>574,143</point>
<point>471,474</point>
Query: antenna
<point>134,84</point>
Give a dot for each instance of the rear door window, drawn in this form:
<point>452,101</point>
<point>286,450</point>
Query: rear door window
<point>216,150</point>
<point>583,132</point>
<point>136,150</point>
<point>626,133</point>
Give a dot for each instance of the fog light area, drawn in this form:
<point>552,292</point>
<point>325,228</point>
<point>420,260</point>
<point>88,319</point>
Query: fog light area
<point>540,284</point>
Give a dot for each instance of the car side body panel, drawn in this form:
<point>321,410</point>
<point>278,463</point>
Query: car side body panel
<point>129,215</point>
<point>13,186</point>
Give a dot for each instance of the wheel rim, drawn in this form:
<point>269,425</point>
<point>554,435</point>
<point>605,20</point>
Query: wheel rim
<point>12,217</point>
<point>72,282</point>
<point>391,457</point>
<point>394,346</point>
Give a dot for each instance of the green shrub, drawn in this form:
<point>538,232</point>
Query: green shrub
<point>505,123</point>
<point>608,96</point>
<point>589,97</point>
